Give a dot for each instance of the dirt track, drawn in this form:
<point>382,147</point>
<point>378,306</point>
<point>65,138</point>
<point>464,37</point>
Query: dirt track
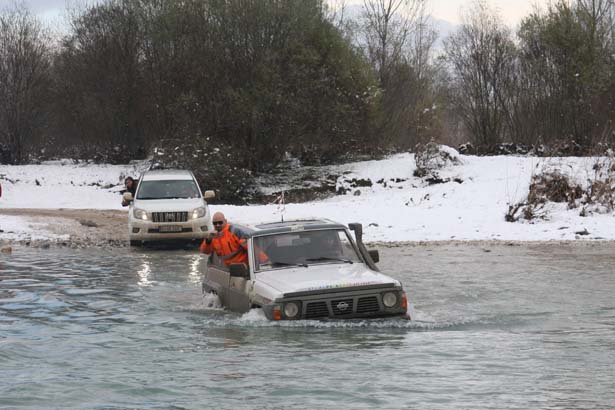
<point>85,227</point>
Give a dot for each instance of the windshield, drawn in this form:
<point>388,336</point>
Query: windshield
<point>304,249</point>
<point>168,189</point>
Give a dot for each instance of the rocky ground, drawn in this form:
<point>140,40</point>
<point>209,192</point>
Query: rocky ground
<point>81,228</point>
<point>77,227</point>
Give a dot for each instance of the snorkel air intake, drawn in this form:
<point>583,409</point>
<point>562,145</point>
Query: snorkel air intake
<point>357,228</point>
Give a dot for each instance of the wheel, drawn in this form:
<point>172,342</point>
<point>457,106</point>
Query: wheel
<point>135,243</point>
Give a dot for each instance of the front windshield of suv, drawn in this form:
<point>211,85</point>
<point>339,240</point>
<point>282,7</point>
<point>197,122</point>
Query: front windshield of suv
<point>168,189</point>
<point>303,248</point>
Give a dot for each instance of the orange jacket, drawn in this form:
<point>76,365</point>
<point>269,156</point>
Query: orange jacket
<point>231,246</point>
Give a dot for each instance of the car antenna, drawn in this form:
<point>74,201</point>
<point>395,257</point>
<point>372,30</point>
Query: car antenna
<point>281,205</point>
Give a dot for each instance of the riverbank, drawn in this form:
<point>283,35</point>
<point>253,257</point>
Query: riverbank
<point>74,228</point>
<point>86,228</point>
<point>79,203</point>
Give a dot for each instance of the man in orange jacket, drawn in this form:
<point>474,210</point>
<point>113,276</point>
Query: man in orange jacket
<point>228,242</point>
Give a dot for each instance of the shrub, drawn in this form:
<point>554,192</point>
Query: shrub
<point>432,157</point>
<point>555,187</point>
<point>552,185</point>
<point>214,165</point>
<point>599,197</point>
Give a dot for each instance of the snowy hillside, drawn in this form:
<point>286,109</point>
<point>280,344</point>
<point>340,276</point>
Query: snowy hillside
<point>384,195</point>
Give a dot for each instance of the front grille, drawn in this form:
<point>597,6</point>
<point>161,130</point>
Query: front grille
<point>368,305</point>
<point>342,306</point>
<point>316,309</point>
<point>169,216</point>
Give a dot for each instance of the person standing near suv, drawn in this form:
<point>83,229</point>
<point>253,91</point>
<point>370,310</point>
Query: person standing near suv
<point>131,186</point>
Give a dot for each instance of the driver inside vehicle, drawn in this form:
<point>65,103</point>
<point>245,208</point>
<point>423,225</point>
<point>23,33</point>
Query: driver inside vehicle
<point>327,245</point>
<point>188,190</point>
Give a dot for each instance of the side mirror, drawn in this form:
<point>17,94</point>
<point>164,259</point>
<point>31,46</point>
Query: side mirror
<point>209,195</point>
<point>373,253</point>
<point>127,197</point>
<point>239,270</point>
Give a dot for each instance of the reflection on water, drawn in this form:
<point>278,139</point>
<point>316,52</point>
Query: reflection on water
<point>144,273</point>
<point>515,327</point>
<point>195,268</point>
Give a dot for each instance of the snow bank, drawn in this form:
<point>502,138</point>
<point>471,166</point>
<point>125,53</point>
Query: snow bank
<point>63,184</point>
<point>384,195</point>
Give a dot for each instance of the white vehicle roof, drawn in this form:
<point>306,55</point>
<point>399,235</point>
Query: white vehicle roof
<point>288,226</point>
<point>166,174</point>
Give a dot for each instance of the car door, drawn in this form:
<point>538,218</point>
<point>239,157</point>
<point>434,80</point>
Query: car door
<point>232,291</point>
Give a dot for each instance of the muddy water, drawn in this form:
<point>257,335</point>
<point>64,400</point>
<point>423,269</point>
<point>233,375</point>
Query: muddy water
<point>501,327</point>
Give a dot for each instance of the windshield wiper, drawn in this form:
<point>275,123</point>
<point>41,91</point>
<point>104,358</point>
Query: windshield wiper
<point>278,264</point>
<point>329,259</point>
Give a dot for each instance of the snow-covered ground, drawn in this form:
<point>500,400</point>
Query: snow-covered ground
<point>63,184</point>
<point>406,208</point>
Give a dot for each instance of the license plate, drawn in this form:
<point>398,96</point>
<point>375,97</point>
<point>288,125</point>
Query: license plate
<point>170,228</point>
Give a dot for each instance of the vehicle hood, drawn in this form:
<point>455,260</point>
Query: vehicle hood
<point>169,205</point>
<point>326,276</point>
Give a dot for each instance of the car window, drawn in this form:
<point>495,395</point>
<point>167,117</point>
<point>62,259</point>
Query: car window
<point>304,249</point>
<point>168,189</point>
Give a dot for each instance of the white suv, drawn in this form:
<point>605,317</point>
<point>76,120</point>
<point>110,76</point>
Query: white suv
<point>168,205</point>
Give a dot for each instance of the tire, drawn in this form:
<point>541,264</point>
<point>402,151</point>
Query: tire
<point>135,243</point>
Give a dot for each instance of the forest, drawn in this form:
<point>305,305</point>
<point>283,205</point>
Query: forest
<point>233,88</point>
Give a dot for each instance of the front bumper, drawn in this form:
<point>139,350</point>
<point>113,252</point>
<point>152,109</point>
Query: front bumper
<point>148,231</point>
<point>357,304</point>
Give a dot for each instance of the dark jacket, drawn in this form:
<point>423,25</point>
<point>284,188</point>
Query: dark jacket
<point>132,190</point>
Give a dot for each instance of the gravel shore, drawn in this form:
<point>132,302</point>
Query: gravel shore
<point>82,228</point>
<point>74,228</point>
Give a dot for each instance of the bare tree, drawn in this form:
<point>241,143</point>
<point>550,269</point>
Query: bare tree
<point>482,55</point>
<point>388,25</point>
<point>425,86</point>
<point>101,100</point>
<point>567,87</point>
<point>398,42</point>
<point>24,80</point>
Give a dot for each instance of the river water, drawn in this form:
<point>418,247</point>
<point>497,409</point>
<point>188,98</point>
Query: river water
<point>495,327</point>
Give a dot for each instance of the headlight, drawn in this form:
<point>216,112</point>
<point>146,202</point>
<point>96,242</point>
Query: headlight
<point>291,310</point>
<point>389,299</point>
<point>140,214</point>
<point>198,213</point>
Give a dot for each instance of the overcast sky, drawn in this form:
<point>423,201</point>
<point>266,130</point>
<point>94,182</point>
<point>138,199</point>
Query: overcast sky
<point>511,10</point>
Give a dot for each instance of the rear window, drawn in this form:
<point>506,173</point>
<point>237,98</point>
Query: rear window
<point>168,189</point>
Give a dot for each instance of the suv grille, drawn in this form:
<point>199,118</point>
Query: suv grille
<point>316,309</point>
<point>169,216</point>
<point>368,304</point>
<point>342,307</point>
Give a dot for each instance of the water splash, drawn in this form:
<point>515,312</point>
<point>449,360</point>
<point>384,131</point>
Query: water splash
<point>211,301</point>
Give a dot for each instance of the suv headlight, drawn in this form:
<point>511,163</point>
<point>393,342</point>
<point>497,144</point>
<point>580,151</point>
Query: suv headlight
<point>389,299</point>
<point>291,310</point>
<point>199,212</point>
<point>139,214</point>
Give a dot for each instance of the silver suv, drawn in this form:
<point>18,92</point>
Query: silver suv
<point>307,269</point>
<point>168,205</point>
